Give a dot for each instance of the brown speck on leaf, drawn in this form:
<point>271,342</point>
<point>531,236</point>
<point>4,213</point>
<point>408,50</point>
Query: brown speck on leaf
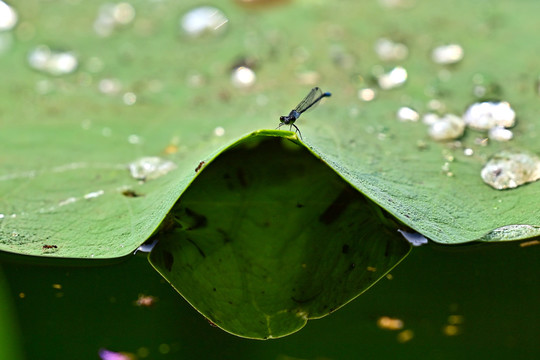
<point>130,193</point>
<point>199,167</point>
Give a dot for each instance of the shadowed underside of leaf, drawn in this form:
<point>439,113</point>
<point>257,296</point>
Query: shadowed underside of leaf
<point>268,236</point>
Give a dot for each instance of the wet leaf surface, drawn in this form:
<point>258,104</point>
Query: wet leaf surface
<point>147,90</point>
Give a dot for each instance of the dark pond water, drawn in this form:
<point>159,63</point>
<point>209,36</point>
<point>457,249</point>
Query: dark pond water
<point>468,302</point>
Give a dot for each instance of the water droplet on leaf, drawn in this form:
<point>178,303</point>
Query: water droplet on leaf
<point>392,79</point>
<point>243,77</point>
<point>150,167</point>
<point>448,127</point>
<point>485,115</point>
<point>204,20</point>
<point>447,54</point>
<point>407,114</point>
<point>52,62</point>
<point>388,50</point>
<point>112,16</point>
<point>8,17</point>
<point>498,133</point>
<point>510,169</point>
<point>366,94</point>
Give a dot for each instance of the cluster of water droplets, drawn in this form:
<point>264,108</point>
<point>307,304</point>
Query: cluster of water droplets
<point>388,78</point>
<point>111,19</point>
<point>52,62</point>
<point>493,117</point>
<point>490,120</point>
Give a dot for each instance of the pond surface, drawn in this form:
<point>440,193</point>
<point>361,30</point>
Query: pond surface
<point>471,301</point>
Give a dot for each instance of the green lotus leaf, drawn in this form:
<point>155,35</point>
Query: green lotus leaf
<point>268,236</point>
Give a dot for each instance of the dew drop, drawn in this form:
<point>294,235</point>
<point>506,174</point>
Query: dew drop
<point>109,86</point>
<point>512,232</point>
<point>67,201</point>
<point>392,79</point>
<point>134,139</point>
<point>510,169</point>
<point>448,127</point>
<point>447,54</point>
<point>52,62</point>
<point>94,194</point>
<point>485,115</point>
<point>498,133</point>
<point>243,77</point>
<point>123,13</point>
<point>8,17</point>
<point>150,167</point>
<point>129,98</point>
<point>111,16</point>
<point>202,21</point>
<point>430,118</point>
<point>388,50</point>
<point>366,94</point>
<point>219,131</point>
<point>407,114</point>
